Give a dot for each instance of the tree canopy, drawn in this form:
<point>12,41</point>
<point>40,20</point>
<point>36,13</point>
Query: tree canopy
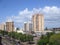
<point>55,39</point>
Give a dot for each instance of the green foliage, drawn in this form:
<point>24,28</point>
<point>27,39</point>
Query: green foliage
<point>17,28</point>
<point>18,36</point>
<point>25,38</point>
<point>49,35</point>
<point>46,28</point>
<point>54,39</point>
<point>44,39</point>
<point>3,32</point>
<point>49,39</point>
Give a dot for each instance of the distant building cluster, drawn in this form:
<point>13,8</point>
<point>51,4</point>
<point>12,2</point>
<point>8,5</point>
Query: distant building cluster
<point>36,25</point>
<point>8,26</point>
<point>56,29</point>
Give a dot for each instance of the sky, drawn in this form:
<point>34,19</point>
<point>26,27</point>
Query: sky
<point>21,11</point>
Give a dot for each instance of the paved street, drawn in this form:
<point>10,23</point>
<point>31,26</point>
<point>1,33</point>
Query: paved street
<point>6,42</point>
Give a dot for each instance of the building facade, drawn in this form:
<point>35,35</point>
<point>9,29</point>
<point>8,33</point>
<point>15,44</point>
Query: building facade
<point>38,22</point>
<point>56,29</point>
<point>9,26</point>
<point>27,26</point>
<point>2,26</point>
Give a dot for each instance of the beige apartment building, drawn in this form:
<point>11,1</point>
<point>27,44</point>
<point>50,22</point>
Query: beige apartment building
<point>2,26</point>
<point>38,22</point>
<point>9,26</point>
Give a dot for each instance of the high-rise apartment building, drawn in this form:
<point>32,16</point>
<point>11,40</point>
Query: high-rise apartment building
<point>38,22</point>
<point>27,26</point>
<point>9,26</point>
<point>2,26</point>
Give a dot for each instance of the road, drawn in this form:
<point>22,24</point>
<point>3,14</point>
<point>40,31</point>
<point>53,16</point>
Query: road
<point>6,42</point>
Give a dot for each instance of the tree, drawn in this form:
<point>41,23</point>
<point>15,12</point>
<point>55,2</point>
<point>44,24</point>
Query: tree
<point>49,34</point>
<point>43,40</point>
<point>17,28</point>
<point>46,28</point>
<point>54,39</point>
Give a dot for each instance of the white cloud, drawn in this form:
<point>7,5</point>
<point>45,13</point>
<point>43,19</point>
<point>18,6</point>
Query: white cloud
<point>51,10</point>
<point>25,11</point>
<point>48,12</point>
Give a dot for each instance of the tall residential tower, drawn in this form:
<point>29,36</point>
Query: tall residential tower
<point>9,26</point>
<point>2,26</point>
<point>38,22</point>
<point>27,26</point>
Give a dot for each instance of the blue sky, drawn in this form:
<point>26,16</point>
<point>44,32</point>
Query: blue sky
<point>13,9</point>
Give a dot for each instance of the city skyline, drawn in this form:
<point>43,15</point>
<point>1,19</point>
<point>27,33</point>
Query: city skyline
<point>21,11</point>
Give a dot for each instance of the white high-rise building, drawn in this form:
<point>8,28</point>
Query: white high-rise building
<point>27,26</point>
